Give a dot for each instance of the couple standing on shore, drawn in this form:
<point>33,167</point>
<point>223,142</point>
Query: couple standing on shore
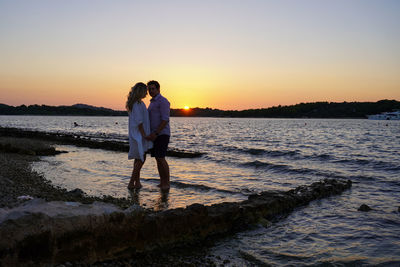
<point>148,131</point>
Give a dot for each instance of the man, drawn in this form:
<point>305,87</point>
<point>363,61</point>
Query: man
<point>160,133</point>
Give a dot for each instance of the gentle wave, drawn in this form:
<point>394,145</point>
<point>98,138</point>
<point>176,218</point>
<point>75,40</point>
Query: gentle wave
<point>260,151</point>
<point>322,157</point>
<point>286,169</point>
<point>295,154</point>
<point>278,167</point>
<point>380,165</point>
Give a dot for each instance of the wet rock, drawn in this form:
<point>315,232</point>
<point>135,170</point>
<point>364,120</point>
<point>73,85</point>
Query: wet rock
<point>49,152</point>
<point>72,139</point>
<point>183,154</point>
<point>226,261</point>
<point>76,193</point>
<point>364,207</point>
<point>134,208</point>
<point>265,222</point>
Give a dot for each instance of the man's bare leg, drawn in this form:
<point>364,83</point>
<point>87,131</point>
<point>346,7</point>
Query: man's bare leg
<point>163,170</point>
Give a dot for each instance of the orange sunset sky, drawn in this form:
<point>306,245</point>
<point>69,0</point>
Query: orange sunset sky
<point>218,54</point>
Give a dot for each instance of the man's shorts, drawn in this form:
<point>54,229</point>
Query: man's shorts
<point>160,146</point>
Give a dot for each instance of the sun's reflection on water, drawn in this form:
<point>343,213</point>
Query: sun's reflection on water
<point>160,203</point>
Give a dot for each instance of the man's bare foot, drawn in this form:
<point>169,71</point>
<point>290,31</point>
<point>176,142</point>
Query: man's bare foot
<point>164,187</point>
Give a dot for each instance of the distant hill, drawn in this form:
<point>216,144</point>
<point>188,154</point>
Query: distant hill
<point>74,110</point>
<point>302,110</point>
<point>84,106</point>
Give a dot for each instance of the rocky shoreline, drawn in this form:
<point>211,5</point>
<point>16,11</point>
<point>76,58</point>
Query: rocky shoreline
<point>72,139</point>
<point>67,227</point>
<point>19,183</point>
<point>55,232</point>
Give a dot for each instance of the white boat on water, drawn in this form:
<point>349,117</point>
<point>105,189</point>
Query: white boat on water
<point>395,115</point>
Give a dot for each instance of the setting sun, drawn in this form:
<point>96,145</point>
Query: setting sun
<point>186,108</point>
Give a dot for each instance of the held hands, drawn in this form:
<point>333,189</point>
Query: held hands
<point>151,137</point>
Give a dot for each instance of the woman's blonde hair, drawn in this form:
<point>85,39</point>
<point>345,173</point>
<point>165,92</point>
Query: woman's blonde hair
<point>135,95</point>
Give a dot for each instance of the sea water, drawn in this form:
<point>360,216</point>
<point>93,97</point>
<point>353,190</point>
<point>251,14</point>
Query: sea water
<point>247,156</point>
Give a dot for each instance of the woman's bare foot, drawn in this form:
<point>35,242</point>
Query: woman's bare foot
<point>138,186</point>
<point>134,185</point>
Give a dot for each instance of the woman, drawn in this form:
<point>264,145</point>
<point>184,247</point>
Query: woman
<point>139,128</point>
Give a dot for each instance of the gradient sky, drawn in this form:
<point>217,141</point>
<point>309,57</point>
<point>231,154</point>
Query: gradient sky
<point>208,53</point>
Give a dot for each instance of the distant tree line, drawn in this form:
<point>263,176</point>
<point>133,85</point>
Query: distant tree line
<point>302,110</point>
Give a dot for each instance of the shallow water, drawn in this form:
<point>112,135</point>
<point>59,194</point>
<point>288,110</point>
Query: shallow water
<point>246,156</point>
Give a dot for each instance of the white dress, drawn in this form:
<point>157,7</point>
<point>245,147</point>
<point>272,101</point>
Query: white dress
<point>137,144</point>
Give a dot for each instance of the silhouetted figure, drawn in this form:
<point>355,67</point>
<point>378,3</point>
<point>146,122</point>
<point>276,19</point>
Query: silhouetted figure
<point>139,129</point>
<point>159,111</point>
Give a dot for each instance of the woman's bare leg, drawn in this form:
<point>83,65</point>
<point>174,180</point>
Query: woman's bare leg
<point>135,177</point>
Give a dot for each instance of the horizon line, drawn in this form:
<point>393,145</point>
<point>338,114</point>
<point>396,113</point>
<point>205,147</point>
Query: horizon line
<point>329,102</point>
